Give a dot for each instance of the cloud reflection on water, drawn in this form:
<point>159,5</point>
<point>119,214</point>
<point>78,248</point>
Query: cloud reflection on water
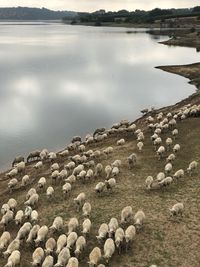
<point>58,81</point>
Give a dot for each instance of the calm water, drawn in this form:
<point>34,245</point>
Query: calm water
<point>58,81</point>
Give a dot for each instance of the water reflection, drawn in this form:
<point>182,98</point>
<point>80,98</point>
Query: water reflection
<point>58,81</point>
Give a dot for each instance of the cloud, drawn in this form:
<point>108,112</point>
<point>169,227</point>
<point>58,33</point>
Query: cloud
<point>91,5</point>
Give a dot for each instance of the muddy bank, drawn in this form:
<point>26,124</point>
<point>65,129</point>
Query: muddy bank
<point>191,71</point>
<point>188,40</point>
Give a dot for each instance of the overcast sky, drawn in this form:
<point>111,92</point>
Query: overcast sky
<point>91,5</point>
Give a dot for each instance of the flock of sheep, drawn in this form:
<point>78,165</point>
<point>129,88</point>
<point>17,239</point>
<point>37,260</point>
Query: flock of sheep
<point>67,250</point>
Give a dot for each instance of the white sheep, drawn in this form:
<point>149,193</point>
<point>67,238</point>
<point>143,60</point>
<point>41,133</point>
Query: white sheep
<point>33,200</point>
<point>168,143</point>
<point>44,154</point>
<point>108,171</point>
<point>54,167</point>
<point>140,146</point>
<point>179,174</point>
<point>139,219</point>
<point>4,240</point>
<point>117,163</point>
<point>99,188</point>
<point>12,173</point>
<point>63,257</point>
<point>170,158</point>
<point>176,148</point>
<point>78,169</point>
<point>50,246</point>
<point>102,232</point>
<point>98,169</point>
<point>64,153</point>
<point>12,204</point>
<point>86,226</point>
<point>89,174</point>
<point>168,168</point>
<point>7,218</point>
<point>86,209</point>
<point>70,166</point>
<point>32,234</point>
<point>81,148</point>
<point>132,160</point>
<point>119,238</point>
<point>72,225</point>
<point>157,142</point>
<point>112,226</point>
<point>80,246</point>
<point>71,179</point>
<point>166,181</point>
<point>109,249</point>
<point>52,156</point>
<point>140,136</point>
<point>110,184</point>
<point>12,184</point>
<point>130,235</point>
<point>14,259</point>
<point>63,174</point>
<point>30,193</point>
<point>81,175</point>
<point>25,180</point>
<point>61,243</point>
<point>42,183</point>
<point>57,224</point>
<point>50,192</point>
<point>41,235</point>
<point>71,240</point>
<point>55,176</point>
<point>37,256</point>
<point>192,167</point>
<point>79,200</point>
<point>94,257</point>
<point>14,245</point>
<point>34,216</point>
<point>20,167</point>
<point>121,142</point>
<point>148,182</point>
<point>19,217</point>
<point>161,152</point>
<point>115,172</point>
<point>27,212</point>
<point>5,207</point>
<point>177,209</point>
<point>109,150</point>
<point>24,231</point>
<point>38,165</point>
<point>66,189</point>
<point>160,176</point>
<point>126,214</point>
<point>172,123</point>
<point>89,164</point>
<point>48,262</point>
<point>73,262</point>
<point>175,133</point>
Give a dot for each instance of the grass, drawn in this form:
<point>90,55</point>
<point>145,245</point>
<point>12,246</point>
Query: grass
<point>162,241</point>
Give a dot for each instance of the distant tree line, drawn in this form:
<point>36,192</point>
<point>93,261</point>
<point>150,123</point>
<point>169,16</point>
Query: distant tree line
<point>137,16</point>
<point>26,13</point>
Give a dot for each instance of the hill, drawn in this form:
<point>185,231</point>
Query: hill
<point>26,13</point>
<point>163,240</point>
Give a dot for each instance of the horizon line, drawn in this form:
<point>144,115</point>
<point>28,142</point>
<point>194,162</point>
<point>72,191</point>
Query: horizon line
<point>65,10</point>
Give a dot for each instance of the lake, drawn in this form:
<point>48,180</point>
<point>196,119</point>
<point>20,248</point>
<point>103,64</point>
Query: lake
<point>58,81</point>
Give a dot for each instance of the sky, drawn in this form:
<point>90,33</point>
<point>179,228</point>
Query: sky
<point>92,5</point>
